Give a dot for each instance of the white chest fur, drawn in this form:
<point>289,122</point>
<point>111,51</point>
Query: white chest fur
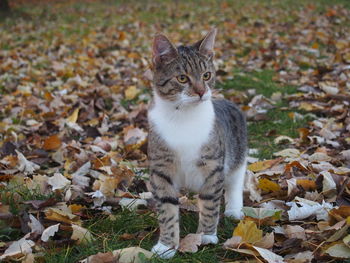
<point>185,130</point>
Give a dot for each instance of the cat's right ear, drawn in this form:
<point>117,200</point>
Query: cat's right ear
<point>163,51</point>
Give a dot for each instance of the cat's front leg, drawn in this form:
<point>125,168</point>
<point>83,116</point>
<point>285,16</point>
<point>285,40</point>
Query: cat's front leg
<point>209,203</point>
<point>168,213</point>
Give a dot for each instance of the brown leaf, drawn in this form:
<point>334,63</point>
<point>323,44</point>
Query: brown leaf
<point>190,243</point>
<point>52,143</point>
<point>107,257</point>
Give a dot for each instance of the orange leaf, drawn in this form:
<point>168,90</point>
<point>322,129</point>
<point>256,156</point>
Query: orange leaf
<point>306,184</point>
<point>52,143</point>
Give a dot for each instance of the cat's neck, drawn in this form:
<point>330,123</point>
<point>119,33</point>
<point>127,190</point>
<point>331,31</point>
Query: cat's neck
<point>190,125</point>
<point>173,111</point>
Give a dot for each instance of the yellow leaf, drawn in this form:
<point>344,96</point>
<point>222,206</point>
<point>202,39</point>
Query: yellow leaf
<point>74,117</point>
<point>267,185</point>
<point>248,231</point>
<point>315,45</point>
<point>59,215</point>
<point>131,92</point>
<point>76,208</point>
<point>348,220</point>
<point>52,143</point>
<point>261,165</point>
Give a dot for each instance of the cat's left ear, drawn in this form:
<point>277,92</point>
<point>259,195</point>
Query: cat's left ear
<point>206,45</point>
<point>163,50</point>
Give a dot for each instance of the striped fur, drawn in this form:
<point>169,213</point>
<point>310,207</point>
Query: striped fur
<point>195,142</point>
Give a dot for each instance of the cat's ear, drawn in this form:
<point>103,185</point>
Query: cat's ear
<point>206,45</point>
<point>163,50</point>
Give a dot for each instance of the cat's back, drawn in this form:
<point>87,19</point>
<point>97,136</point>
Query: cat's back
<point>232,127</point>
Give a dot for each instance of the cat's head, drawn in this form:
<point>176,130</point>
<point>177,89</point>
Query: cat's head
<point>185,74</point>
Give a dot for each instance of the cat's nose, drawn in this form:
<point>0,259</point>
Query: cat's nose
<point>199,89</point>
<point>200,92</point>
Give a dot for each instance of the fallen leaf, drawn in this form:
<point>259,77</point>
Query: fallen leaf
<point>262,165</point>
<point>268,185</point>
<point>52,142</point>
<point>339,250</point>
<point>233,242</point>
<point>266,242</point>
<point>58,181</point>
<point>131,92</point>
<point>107,257</point>
<point>74,116</point>
<point>283,138</point>
<point>132,255</point>
<point>81,235</point>
<point>302,210</point>
<point>25,166</point>
<point>306,184</point>
<point>248,231</point>
<point>291,153</point>
<point>18,248</point>
<point>295,231</point>
<point>35,225</point>
<point>263,215</point>
<point>269,256</point>
<point>49,232</point>
<point>190,243</point>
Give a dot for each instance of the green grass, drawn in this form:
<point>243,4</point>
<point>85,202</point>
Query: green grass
<point>278,122</point>
<point>107,235</point>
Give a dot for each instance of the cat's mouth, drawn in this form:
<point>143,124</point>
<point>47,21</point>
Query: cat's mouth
<point>192,101</point>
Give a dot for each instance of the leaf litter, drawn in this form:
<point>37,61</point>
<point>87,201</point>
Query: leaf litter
<point>73,127</point>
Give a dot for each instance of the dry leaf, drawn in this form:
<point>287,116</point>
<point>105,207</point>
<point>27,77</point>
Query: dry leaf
<point>58,181</point>
<point>60,215</point>
<point>291,153</point>
<point>338,250</point>
<point>190,243</point>
<point>306,184</point>
<point>52,143</point>
<point>267,185</point>
<point>74,117</point>
<point>266,242</point>
<point>35,225</point>
<point>131,92</point>
<point>295,232</point>
<point>82,235</point>
<point>248,231</point>
<point>18,248</point>
<point>233,242</point>
<point>25,166</point>
<point>49,232</point>
<point>269,256</point>
<point>262,165</point>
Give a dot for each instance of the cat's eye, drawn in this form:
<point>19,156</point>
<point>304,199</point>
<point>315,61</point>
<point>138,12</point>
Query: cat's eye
<point>182,78</point>
<point>207,76</point>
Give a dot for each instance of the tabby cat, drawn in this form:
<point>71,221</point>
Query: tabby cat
<point>195,142</point>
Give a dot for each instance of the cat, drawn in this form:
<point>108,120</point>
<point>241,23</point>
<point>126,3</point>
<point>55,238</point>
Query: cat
<point>195,142</point>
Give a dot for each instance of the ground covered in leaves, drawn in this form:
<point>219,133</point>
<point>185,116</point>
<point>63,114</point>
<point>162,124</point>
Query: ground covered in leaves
<point>73,129</point>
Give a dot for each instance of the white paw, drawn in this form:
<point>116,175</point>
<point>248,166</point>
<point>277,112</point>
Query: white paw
<point>163,251</point>
<point>209,239</point>
<point>234,213</point>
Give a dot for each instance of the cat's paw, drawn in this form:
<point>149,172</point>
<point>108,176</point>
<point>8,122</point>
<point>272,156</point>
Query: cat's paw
<point>209,239</point>
<point>234,213</point>
<point>163,251</point>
